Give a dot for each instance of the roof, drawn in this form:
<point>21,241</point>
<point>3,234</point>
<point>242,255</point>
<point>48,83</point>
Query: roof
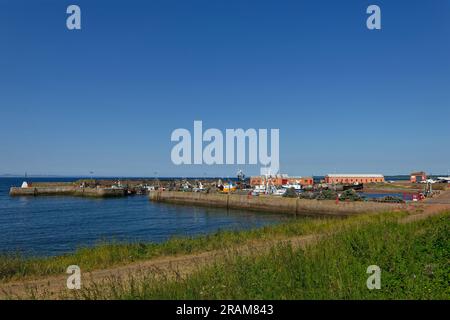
<point>356,175</point>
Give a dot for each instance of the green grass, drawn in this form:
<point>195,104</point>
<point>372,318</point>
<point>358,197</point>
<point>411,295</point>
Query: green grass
<point>414,259</point>
<point>392,186</point>
<point>105,255</point>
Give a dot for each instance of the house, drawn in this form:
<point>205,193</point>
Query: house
<point>416,177</point>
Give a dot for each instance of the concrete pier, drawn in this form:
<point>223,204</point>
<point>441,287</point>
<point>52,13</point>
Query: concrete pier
<point>271,203</point>
<point>67,191</point>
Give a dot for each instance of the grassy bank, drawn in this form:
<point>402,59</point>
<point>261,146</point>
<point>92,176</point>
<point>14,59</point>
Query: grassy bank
<point>414,259</point>
<point>14,267</point>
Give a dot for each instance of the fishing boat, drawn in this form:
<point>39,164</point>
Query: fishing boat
<point>199,188</point>
<point>227,188</point>
<point>260,189</point>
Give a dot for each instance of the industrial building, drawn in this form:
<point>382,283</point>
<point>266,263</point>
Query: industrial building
<point>353,178</point>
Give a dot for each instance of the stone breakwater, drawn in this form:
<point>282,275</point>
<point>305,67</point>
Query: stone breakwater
<point>272,204</point>
<point>67,191</point>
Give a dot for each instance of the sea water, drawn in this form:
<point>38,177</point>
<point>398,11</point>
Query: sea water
<point>54,225</point>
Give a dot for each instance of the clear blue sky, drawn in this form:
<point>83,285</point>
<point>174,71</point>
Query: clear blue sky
<point>106,98</point>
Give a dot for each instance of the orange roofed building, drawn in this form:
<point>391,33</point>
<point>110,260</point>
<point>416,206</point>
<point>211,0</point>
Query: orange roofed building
<point>353,178</point>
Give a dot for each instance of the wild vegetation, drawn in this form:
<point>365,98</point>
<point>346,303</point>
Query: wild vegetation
<point>347,195</point>
<point>414,260</point>
<point>106,255</point>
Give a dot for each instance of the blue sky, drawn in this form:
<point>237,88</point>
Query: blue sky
<point>106,98</point>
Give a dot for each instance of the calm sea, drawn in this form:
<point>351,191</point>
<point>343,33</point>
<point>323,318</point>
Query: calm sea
<point>45,226</point>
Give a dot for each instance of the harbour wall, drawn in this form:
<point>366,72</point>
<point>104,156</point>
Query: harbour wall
<point>271,203</point>
<point>67,191</point>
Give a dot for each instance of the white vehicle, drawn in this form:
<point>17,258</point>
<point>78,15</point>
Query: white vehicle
<point>296,186</point>
<point>428,181</point>
<point>279,192</point>
<point>444,179</point>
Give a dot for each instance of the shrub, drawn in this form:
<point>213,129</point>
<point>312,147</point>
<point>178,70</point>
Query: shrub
<point>350,195</point>
<point>390,199</point>
<point>307,195</point>
<point>327,195</point>
<point>290,193</point>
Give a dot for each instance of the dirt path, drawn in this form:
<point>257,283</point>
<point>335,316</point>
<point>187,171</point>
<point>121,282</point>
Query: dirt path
<point>172,266</point>
<point>442,198</point>
<point>179,266</point>
<point>431,207</point>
